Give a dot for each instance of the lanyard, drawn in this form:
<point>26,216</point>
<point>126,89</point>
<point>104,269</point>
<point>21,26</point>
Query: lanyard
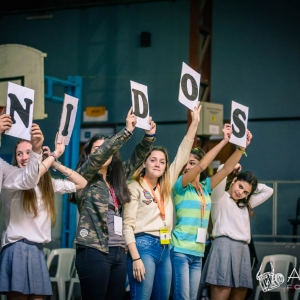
<point>160,202</point>
<point>113,195</point>
<point>200,193</point>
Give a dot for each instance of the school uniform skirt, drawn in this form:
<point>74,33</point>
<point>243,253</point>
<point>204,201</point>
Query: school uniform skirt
<point>228,264</point>
<point>23,269</point>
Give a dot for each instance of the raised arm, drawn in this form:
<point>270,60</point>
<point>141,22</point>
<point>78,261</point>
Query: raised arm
<point>262,193</point>
<point>185,147</point>
<point>28,177</point>
<point>208,158</point>
<point>229,164</point>
<point>110,145</point>
<point>5,122</point>
<point>141,150</point>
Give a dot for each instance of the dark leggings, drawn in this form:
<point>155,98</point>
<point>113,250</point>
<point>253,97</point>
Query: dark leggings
<point>102,275</point>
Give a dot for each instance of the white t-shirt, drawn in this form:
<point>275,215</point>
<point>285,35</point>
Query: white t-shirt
<point>230,220</point>
<point>22,225</point>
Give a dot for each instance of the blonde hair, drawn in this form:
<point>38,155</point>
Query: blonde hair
<point>29,198</point>
<point>163,180</point>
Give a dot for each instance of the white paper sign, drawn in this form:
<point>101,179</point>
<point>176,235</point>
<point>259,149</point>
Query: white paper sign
<point>67,119</point>
<point>20,107</point>
<point>239,121</point>
<point>140,104</point>
<point>189,87</point>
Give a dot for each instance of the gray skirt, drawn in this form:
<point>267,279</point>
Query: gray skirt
<point>228,264</point>
<point>23,269</point>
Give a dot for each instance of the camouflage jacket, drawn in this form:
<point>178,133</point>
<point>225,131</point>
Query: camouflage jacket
<point>92,201</point>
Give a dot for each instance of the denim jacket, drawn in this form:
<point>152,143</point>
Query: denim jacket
<point>92,201</point>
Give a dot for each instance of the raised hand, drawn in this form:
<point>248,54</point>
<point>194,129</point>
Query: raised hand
<point>37,138</point>
<point>196,114</point>
<point>152,129</point>
<point>5,122</point>
<point>130,120</point>
<point>227,131</point>
<point>249,138</point>
<point>59,147</point>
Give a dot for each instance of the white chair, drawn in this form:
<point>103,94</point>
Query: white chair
<point>46,252</point>
<point>72,283</point>
<point>64,267</point>
<point>273,281</point>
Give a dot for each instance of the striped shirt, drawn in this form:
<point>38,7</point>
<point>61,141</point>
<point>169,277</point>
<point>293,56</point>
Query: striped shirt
<point>188,215</point>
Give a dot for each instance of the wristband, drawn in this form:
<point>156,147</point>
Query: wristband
<point>150,135</point>
<point>243,151</point>
<point>136,259</point>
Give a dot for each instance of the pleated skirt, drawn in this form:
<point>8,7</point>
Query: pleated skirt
<point>23,269</point>
<point>228,264</point>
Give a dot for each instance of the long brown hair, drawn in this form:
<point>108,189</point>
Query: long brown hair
<point>163,180</point>
<point>29,198</point>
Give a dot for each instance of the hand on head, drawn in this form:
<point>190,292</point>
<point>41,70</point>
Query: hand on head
<point>152,129</point>
<point>5,122</point>
<point>37,138</point>
<point>130,120</point>
<point>196,114</point>
<point>237,169</point>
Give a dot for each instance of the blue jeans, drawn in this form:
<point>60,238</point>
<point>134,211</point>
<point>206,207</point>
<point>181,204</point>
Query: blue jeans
<point>156,259</point>
<point>186,275</point>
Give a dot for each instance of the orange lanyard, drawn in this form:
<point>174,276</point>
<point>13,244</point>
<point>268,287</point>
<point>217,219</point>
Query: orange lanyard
<point>160,202</point>
<point>200,193</point>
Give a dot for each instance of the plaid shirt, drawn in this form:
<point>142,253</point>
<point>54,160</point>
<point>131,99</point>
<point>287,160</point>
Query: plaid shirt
<point>92,201</point>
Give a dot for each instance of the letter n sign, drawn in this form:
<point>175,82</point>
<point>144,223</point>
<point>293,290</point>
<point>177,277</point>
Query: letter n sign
<point>239,121</point>
<point>140,104</point>
<point>20,108</point>
<point>67,118</point>
<point>189,87</point>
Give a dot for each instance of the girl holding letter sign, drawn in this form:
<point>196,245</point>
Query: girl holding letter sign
<point>100,255</point>
<point>29,215</point>
<point>148,219</point>
<point>228,267</point>
<point>192,204</point>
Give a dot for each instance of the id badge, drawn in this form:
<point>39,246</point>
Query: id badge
<point>118,224</point>
<point>201,235</point>
<point>164,236</point>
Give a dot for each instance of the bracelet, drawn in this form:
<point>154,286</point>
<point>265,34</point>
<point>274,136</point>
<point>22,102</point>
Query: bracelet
<point>128,131</point>
<point>243,151</point>
<point>44,166</point>
<point>150,135</point>
<point>70,173</point>
<point>53,155</point>
<point>136,259</point>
